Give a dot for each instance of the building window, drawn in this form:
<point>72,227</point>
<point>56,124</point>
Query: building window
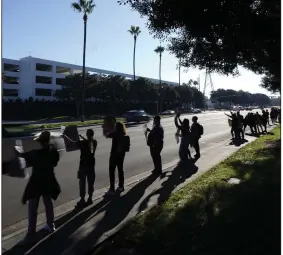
<point>43,67</point>
<point>43,92</point>
<point>62,70</point>
<point>11,68</point>
<point>11,80</point>
<point>43,79</point>
<point>10,93</point>
<point>60,81</point>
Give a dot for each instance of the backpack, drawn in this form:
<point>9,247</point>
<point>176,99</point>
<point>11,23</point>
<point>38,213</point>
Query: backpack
<point>125,143</point>
<point>200,129</point>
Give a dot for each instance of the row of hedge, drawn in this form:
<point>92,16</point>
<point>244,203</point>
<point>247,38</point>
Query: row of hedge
<point>32,110</point>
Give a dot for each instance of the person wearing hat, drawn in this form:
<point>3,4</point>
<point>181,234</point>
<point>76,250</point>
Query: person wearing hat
<point>42,183</point>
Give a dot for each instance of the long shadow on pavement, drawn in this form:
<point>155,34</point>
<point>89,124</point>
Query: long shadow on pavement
<point>177,176</point>
<point>109,214</point>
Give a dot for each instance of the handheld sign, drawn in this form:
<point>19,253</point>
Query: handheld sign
<point>73,134</point>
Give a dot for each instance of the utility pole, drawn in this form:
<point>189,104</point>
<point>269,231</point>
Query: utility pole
<point>208,81</point>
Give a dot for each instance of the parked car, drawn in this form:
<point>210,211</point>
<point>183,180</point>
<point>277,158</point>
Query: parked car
<point>196,110</point>
<point>137,116</point>
<point>168,112</point>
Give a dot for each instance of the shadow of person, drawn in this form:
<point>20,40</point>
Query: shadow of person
<point>42,235</point>
<point>238,142</point>
<point>178,175</point>
<point>22,249</point>
<point>116,209</point>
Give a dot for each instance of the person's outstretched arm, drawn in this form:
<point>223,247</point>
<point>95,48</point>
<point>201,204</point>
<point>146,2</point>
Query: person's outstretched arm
<point>176,122</point>
<point>230,116</point>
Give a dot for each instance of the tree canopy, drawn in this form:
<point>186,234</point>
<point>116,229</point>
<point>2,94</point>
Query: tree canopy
<point>219,35</point>
<point>115,89</point>
<point>239,97</point>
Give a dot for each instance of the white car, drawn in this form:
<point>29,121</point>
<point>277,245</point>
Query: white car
<point>196,110</point>
<point>168,112</point>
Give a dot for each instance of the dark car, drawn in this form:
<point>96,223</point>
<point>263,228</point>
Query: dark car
<point>137,116</point>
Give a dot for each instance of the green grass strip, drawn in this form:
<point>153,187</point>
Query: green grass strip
<point>211,216</point>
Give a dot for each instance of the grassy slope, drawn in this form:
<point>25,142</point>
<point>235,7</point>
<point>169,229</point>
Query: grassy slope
<point>210,216</point>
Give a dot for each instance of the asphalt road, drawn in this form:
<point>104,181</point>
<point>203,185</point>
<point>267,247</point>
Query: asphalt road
<point>138,160</point>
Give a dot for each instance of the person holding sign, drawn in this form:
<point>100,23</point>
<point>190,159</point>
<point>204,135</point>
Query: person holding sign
<point>86,171</point>
<point>184,128</point>
<point>120,145</point>
<point>42,183</point>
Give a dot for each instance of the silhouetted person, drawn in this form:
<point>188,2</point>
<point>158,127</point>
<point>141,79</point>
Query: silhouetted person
<point>184,127</point>
<point>197,132</point>
<point>258,121</point>
<point>155,143</point>
<point>117,156</point>
<point>42,183</point>
<point>273,115</point>
<point>234,128</point>
<point>86,171</point>
<point>264,119</point>
<point>240,125</point>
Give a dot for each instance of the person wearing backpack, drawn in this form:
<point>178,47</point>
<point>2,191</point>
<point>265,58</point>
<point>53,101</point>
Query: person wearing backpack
<point>120,145</point>
<point>197,132</point>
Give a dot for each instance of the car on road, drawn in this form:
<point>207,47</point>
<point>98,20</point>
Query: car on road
<point>168,112</point>
<point>136,116</point>
<point>196,110</point>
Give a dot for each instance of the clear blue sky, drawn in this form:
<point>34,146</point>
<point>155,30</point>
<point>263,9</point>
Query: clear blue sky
<point>52,30</point>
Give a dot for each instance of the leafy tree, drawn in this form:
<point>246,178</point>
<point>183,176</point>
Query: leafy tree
<point>239,97</point>
<point>134,31</point>
<point>86,7</point>
<point>71,90</point>
<point>219,35</point>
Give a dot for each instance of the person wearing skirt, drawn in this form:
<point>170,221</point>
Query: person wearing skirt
<point>42,183</point>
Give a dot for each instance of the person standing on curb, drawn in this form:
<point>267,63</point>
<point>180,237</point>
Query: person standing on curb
<point>155,142</point>
<point>120,145</point>
<point>42,183</point>
<point>184,127</point>
<point>86,171</point>
<point>197,132</point>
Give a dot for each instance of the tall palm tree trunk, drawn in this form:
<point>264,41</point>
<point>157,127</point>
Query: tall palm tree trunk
<point>83,83</point>
<point>134,58</point>
<point>160,101</point>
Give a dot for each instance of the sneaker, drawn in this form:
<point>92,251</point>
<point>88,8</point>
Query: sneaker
<point>110,192</point>
<point>120,189</point>
<point>49,229</point>
<point>89,201</point>
<point>81,203</point>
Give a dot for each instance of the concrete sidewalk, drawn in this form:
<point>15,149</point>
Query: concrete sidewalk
<point>79,231</point>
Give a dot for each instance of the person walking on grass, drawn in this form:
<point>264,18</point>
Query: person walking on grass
<point>155,138</point>
<point>86,171</point>
<point>197,132</point>
<point>42,183</point>
<point>120,145</point>
<point>184,127</point>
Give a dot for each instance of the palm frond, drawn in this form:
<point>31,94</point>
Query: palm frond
<point>76,7</point>
<point>89,7</point>
<point>83,3</point>
<point>159,49</point>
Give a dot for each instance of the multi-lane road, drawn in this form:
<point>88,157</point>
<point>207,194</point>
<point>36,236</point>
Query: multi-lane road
<point>138,160</point>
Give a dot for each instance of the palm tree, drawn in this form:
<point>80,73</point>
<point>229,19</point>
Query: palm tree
<point>159,50</point>
<point>86,7</point>
<point>134,31</point>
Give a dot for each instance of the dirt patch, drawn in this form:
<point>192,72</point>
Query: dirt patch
<point>273,144</point>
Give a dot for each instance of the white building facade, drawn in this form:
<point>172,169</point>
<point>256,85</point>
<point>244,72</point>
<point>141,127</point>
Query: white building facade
<point>39,78</point>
